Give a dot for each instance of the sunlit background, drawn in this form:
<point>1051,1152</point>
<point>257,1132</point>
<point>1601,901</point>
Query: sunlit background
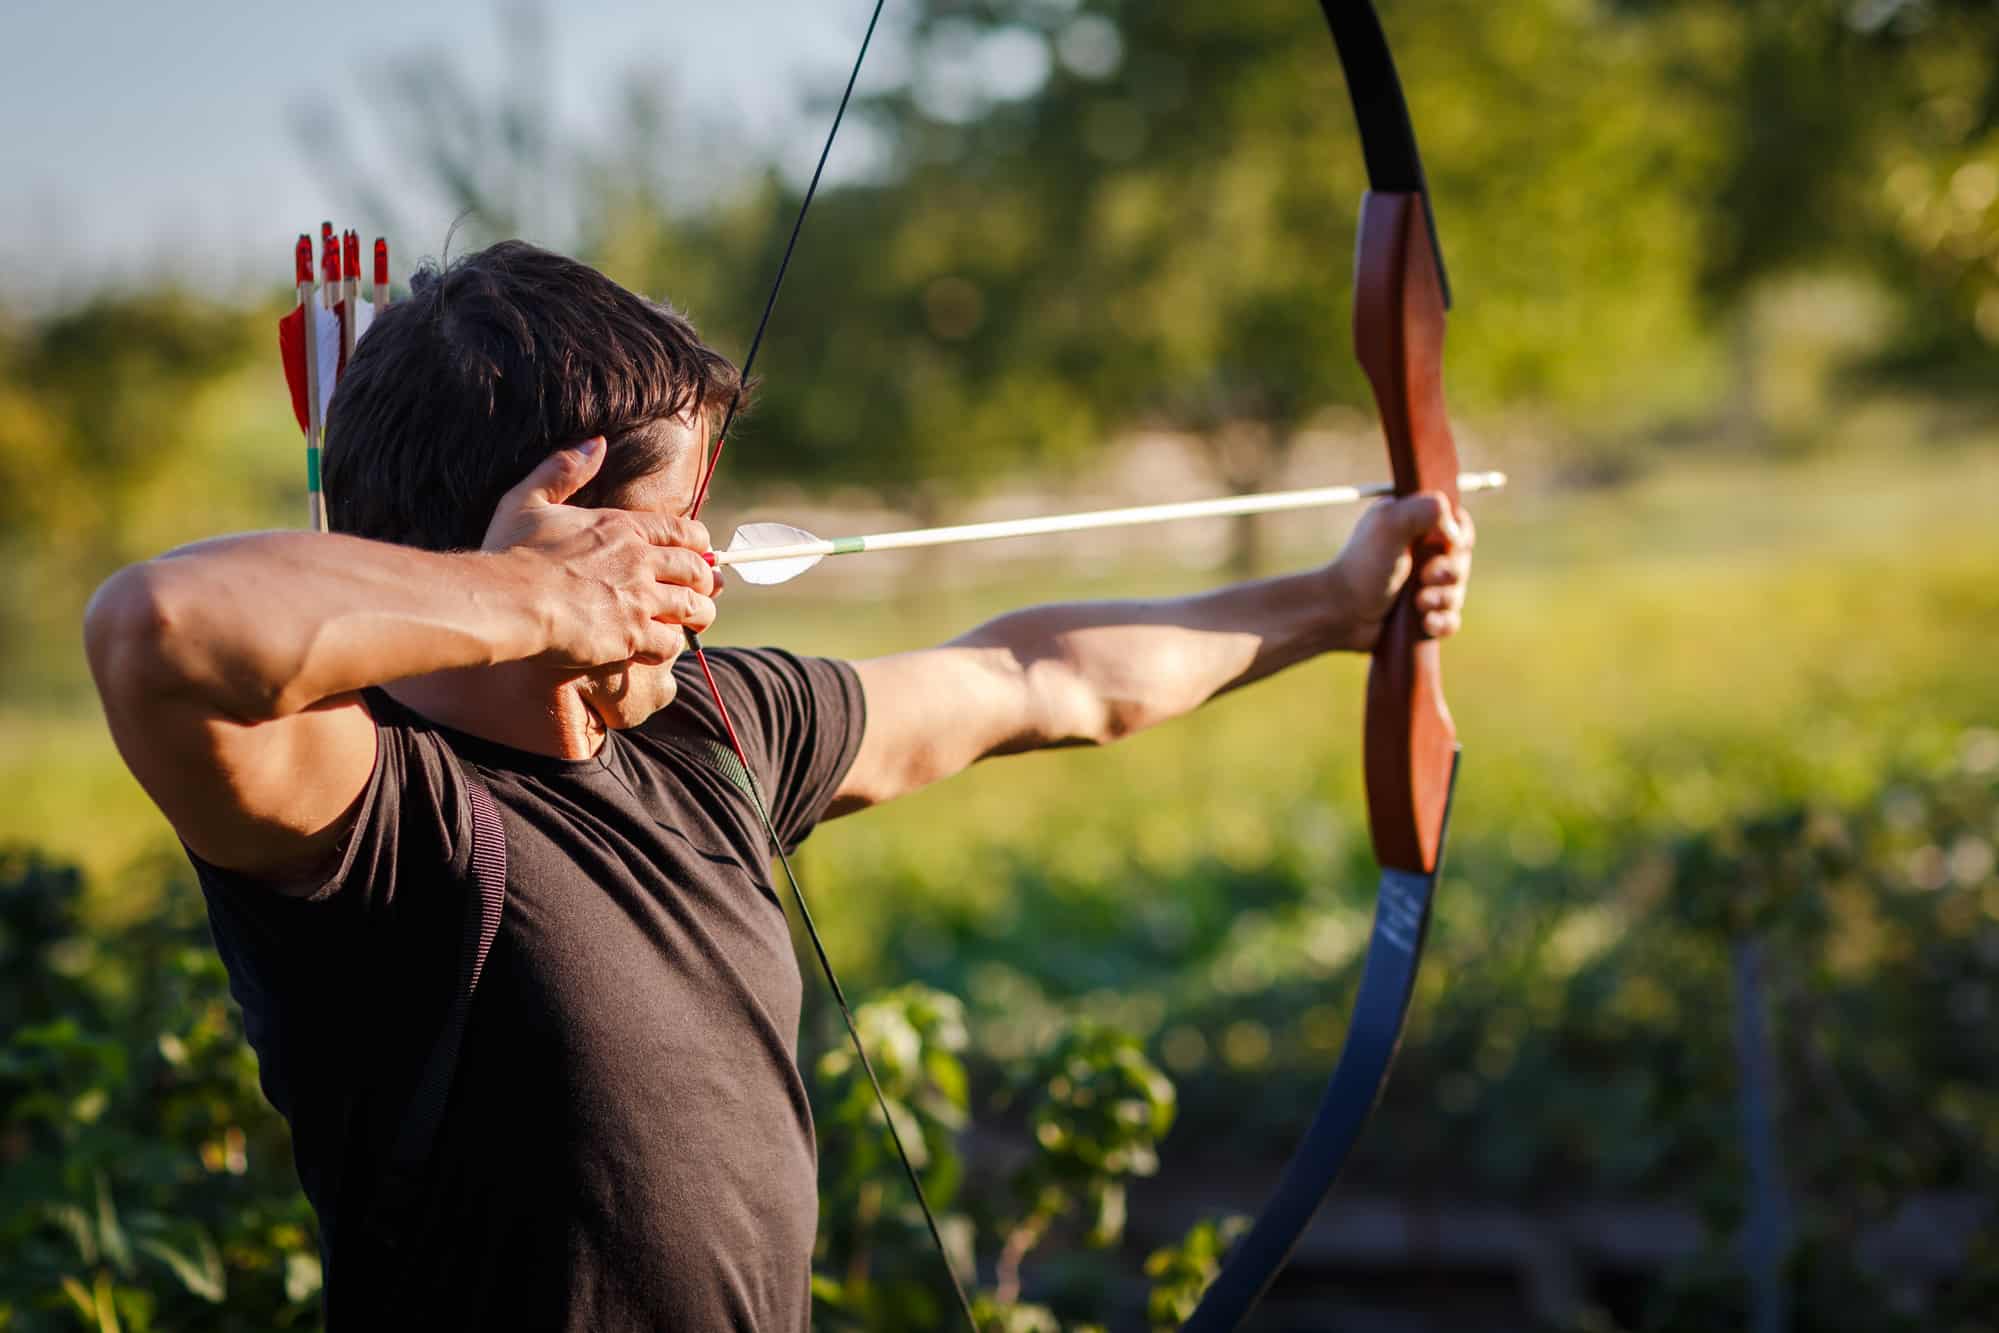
<point>1706,1035</point>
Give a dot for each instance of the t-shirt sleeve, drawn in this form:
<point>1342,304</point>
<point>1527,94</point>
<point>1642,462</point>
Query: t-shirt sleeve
<point>800,720</point>
<point>413,823</point>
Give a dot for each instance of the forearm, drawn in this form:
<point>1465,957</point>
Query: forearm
<point>265,625</point>
<point>1088,673</point>
<point>1098,671</point>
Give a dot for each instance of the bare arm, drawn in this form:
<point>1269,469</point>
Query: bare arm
<point>229,670</point>
<point>1089,673</point>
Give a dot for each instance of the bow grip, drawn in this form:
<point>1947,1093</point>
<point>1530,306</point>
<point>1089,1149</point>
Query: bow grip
<point>1411,744</point>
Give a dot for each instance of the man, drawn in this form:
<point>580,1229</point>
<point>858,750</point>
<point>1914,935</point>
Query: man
<point>628,1143</point>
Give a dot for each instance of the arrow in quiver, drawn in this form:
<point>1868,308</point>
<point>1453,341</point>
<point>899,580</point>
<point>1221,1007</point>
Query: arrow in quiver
<point>318,335</point>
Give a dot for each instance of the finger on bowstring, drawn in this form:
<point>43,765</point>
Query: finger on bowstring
<point>675,604</point>
<point>677,564</point>
<point>673,530</point>
<point>661,643</point>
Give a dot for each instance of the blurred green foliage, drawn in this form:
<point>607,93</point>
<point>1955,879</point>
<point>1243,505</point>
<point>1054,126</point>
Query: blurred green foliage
<point>144,1181</point>
<point>1566,1040</point>
<point>1181,1273</point>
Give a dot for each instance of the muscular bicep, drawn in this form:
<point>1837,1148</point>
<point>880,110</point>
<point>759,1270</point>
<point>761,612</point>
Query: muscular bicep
<point>936,712</point>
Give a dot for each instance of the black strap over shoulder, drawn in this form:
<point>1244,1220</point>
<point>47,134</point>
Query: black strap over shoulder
<point>399,1190</point>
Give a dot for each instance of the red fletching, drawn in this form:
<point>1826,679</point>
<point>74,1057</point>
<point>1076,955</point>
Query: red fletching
<point>291,345</point>
<point>329,258</point>
<point>302,260</point>
<point>350,247</point>
<point>382,262</point>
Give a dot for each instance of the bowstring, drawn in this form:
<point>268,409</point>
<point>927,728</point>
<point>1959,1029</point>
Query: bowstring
<point>839,995</point>
<point>735,743</point>
<point>784,264</point>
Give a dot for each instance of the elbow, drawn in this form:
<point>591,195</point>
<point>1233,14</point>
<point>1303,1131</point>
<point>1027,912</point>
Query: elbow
<point>139,640</point>
<point>1074,711</point>
<point>1119,718</point>
<point>126,632</point>
<point>148,637</point>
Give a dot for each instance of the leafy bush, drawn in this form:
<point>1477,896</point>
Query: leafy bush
<point>147,1184</point>
<point>1572,1033</point>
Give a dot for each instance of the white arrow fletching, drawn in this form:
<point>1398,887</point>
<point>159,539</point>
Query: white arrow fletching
<point>757,536</point>
<point>328,345</point>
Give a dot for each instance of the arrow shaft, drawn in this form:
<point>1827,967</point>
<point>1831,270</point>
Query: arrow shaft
<point>1047,525</point>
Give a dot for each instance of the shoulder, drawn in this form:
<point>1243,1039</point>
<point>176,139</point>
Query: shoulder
<point>798,721</point>
<point>764,688</point>
<point>413,813</point>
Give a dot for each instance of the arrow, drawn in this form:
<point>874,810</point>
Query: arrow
<point>769,553</point>
<point>381,273</point>
<point>304,337</point>
<point>350,294</point>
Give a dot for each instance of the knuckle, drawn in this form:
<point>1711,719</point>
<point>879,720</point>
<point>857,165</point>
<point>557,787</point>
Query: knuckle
<point>694,534</point>
<point>615,527</point>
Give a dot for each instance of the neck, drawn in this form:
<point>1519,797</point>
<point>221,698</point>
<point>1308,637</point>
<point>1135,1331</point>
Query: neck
<point>512,704</point>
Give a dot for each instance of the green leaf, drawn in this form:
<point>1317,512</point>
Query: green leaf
<point>202,1276</point>
<point>111,1237</point>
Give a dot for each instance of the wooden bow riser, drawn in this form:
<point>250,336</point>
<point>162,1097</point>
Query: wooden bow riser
<point>1399,338</point>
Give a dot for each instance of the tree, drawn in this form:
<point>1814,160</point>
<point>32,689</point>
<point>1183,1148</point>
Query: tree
<point>1111,214</point>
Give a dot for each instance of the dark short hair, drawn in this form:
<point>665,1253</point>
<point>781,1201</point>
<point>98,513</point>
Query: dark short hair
<point>456,394</point>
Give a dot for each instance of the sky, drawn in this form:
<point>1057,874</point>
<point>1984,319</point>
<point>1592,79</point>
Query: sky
<point>142,134</point>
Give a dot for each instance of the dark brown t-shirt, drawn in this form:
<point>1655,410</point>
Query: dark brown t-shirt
<point>628,1143</point>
